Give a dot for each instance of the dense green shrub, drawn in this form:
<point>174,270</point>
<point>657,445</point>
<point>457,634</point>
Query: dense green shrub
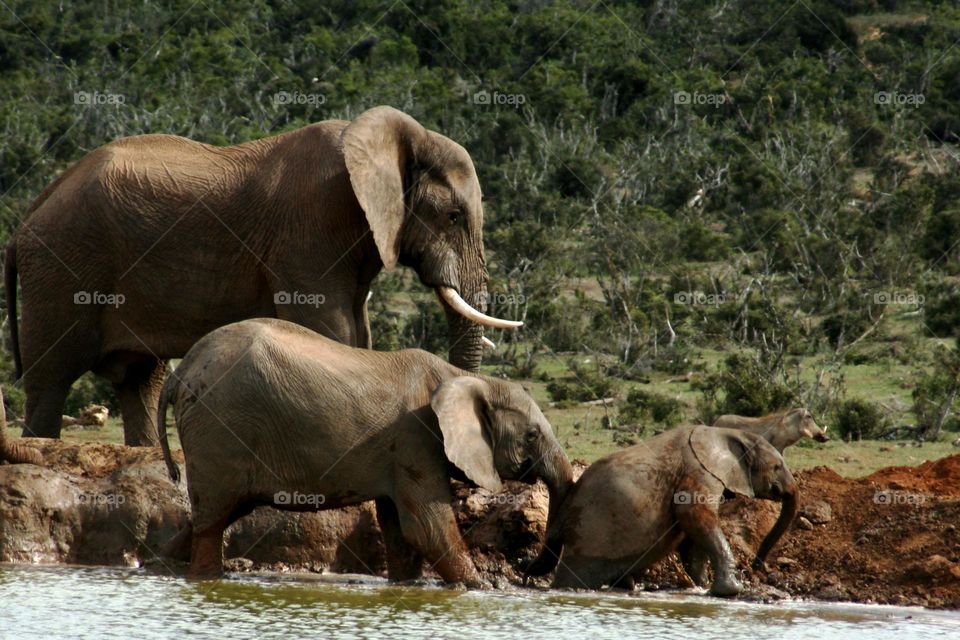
<point>642,406</point>
<point>858,419</point>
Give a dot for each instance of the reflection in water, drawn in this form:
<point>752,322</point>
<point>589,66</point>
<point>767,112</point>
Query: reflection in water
<point>45,602</point>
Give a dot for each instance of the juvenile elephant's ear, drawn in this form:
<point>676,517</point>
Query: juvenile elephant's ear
<point>460,406</point>
<point>725,454</point>
<point>377,146</point>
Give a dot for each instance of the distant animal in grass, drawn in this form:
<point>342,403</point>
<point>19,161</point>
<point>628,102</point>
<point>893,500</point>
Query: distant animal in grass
<point>780,429</point>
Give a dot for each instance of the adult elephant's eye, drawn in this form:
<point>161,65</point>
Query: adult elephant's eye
<point>455,216</point>
<point>532,434</point>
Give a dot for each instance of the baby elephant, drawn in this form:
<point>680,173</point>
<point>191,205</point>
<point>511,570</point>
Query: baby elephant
<point>632,508</point>
<point>779,429</point>
<point>271,413</point>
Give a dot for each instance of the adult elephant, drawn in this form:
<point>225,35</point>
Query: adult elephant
<point>271,413</point>
<point>148,243</point>
<point>632,508</point>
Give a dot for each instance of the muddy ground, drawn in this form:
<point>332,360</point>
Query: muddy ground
<point>890,537</point>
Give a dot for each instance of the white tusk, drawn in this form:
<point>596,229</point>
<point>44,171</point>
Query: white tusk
<point>488,343</point>
<point>369,295</point>
<point>458,304</point>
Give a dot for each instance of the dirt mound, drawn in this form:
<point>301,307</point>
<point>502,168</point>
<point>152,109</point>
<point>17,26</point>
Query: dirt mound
<point>891,537</point>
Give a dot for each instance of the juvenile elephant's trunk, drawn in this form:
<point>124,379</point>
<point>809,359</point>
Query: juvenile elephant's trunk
<point>791,502</point>
<point>558,476</point>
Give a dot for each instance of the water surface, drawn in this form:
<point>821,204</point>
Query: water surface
<point>88,602</point>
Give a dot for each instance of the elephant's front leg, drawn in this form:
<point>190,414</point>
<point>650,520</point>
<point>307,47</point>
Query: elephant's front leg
<point>694,561</point>
<point>699,520</point>
<point>428,523</point>
<point>404,562</point>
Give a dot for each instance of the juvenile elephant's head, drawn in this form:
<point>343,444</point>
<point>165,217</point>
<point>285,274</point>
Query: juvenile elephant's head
<point>749,465</point>
<point>420,193</point>
<point>493,430</point>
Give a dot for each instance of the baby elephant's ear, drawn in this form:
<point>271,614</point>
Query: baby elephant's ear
<point>461,406</point>
<point>726,454</point>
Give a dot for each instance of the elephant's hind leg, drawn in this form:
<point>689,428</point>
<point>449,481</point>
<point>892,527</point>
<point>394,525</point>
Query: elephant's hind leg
<point>403,561</point>
<point>139,394</point>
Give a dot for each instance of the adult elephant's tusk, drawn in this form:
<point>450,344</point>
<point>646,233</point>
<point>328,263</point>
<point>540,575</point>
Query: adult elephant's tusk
<point>488,343</point>
<point>458,304</point>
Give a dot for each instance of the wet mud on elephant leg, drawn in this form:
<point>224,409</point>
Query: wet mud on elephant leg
<point>139,394</point>
<point>404,562</point>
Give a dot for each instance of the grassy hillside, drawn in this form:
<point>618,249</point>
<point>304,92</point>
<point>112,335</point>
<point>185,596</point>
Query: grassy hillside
<point>760,198</point>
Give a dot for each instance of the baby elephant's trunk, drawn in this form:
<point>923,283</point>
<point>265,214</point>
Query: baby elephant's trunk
<point>790,499</point>
<point>166,394</point>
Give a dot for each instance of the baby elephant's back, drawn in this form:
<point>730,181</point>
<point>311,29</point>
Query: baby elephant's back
<point>269,373</point>
<point>623,503</point>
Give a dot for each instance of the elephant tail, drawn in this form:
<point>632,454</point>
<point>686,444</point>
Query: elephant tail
<point>549,555</point>
<point>10,284</point>
<point>169,388</point>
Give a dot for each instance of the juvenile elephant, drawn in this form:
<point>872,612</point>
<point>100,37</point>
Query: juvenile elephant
<point>782,429</point>
<point>271,413</point>
<point>146,244</point>
<point>632,508</point>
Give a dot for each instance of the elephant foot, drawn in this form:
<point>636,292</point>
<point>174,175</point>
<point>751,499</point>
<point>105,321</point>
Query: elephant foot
<point>178,547</point>
<point>206,554</point>
<point>725,585</point>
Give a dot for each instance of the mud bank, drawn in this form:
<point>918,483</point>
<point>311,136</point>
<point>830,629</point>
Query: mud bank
<point>890,537</point>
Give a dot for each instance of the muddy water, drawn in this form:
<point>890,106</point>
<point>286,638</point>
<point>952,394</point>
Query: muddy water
<point>71,602</point>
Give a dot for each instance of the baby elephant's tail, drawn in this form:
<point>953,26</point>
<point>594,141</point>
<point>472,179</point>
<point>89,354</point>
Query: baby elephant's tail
<point>169,388</point>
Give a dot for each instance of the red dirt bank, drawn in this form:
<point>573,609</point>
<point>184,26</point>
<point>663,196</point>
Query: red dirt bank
<point>891,537</point>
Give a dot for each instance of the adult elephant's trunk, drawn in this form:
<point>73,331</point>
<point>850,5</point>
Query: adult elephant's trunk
<point>557,474</point>
<point>791,502</point>
<point>465,322</point>
<point>14,452</point>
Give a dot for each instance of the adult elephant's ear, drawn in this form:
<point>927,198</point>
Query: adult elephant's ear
<point>377,148</point>
<point>461,407</point>
<point>726,454</point>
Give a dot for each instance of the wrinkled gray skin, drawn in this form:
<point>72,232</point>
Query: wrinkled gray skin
<point>632,508</point>
<point>782,429</point>
<point>265,407</point>
<point>194,237</point>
